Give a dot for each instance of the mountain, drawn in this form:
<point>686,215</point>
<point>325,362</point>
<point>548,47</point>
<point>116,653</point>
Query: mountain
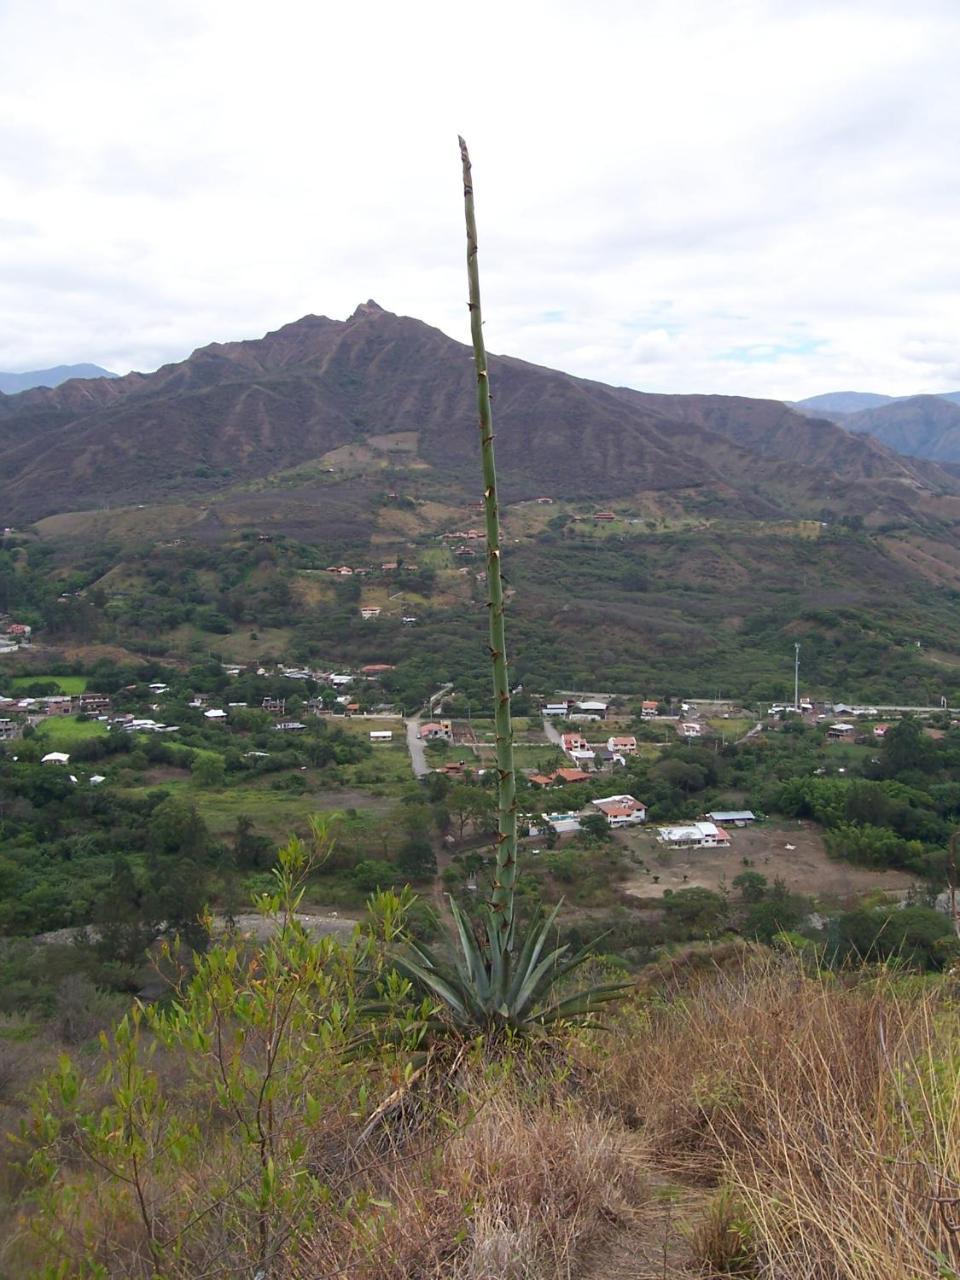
<point>199,507</point>
<point>841,402</point>
<point>236,413</point>
<point>13,383</point>
<point>922,426</point>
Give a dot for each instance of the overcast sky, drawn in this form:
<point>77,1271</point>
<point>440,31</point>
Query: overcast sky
<point>744,196</point>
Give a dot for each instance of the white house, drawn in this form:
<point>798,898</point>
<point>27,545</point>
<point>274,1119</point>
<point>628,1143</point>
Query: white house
<point>691,729</point>
<point>215,714</point>
<point>648,709</point>
<point>622,746</point>
<point>555,709</point>
<point>621,811</point>
<point>381,735</point>
<point>694,835</point>
<point>55,757</point>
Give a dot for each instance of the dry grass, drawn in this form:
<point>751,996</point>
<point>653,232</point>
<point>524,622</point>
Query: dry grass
<point>828,1110</point>
<point>518,1191</point>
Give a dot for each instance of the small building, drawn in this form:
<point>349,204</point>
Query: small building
<point>97,780</point>
<point>571,742</point>
<point>381,735</point>
<point>589,709</point>
<point>559,777</point>
<point>736,817</point>
<point>215,715</point>
<point>556,709</point>
<point>436,731</point>
<point>621,811</point>
<point>690,729</point>
<point>9,729</point>
<point>880,730</point>
<point>648,709</point>
<point>374,669</point>
<point>93,704</point>
<point>693,835</point>
<point>369,611</point>
<point>57,705</point>
<point>604,517</point>
<point>841,732</point>
<point>622,746</point>
<point>289,726</point>
<point>55,757</point>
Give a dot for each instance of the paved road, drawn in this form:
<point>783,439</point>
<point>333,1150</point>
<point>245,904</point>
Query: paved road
<point>418,756</point>
<point>551,731</point>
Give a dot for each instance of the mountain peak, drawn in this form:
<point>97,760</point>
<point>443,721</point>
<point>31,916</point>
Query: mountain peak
<point>368,308</point>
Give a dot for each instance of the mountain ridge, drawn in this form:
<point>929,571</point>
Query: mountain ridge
<point>235,412</point>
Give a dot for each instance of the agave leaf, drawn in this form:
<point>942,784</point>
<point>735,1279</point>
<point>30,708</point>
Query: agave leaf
<point>435,982</point>
<point>535,983</point>
<point>582,1003</point>
<point>533,944</point>
<point>470,960</point>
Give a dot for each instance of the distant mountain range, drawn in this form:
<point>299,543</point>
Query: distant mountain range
<point>925,426</point>
<point>13,383</point>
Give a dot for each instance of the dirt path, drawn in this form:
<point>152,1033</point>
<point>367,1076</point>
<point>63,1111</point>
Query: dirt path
<point>654,1246</point>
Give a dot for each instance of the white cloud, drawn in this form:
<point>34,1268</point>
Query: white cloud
<point>668,182</point>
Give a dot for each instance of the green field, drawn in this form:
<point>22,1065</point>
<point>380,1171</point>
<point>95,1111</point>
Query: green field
<point>61,731</point>
<point>731,729</point>
<point>389,766</point>
<point>66,684</point>
<point>275,813</point>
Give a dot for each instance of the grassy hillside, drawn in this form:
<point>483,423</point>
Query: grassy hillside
<point>741,1115</point>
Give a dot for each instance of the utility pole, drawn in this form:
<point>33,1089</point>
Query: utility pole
<point>796,676</point>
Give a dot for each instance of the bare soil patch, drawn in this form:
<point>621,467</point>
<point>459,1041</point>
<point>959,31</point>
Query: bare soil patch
<point>790,851</point>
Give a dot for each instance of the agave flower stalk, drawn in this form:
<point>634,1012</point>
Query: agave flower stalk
<point>502,899</point>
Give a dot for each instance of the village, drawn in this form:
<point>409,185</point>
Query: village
<point>574,746</point>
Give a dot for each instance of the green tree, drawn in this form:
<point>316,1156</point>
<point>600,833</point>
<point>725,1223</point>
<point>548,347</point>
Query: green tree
<point>416,858</point>
<point>208,771</point>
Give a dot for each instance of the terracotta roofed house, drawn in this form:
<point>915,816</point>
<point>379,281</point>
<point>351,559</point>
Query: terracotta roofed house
<point>621,811</point>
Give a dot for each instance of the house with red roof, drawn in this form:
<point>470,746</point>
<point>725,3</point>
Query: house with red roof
<point>621,811</point>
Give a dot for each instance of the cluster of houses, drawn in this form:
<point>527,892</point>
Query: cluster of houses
<point>13,635</point>
<point>708,832</point>
<point>389,566</point>
<point>17,712</point>
<point>600,755</point>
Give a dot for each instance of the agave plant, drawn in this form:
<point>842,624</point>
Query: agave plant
<point>507,985</point>
<point>500,980</point>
